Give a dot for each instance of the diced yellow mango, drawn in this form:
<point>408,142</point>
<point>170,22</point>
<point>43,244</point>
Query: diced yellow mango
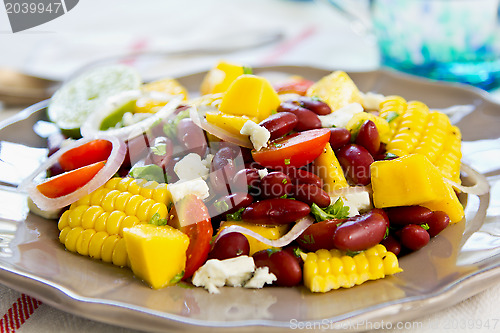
<point>219,78</point>
<point>336,89</point>
<point>269,232</point>
<point>230,123</point>
<point>449,204</point>
<point>328,168</point>
<point>157,254</point>
<point>405,181</point>
<point>383,127</point>
<point>250,95</point>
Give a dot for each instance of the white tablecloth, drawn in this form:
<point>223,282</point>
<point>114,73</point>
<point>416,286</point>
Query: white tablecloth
<point>312,35</point>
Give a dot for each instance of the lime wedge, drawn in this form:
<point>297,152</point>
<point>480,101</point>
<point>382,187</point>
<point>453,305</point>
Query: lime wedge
<point>77,99</point>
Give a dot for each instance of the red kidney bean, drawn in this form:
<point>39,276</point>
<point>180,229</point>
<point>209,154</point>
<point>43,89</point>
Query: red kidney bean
<point>368,137</point>
<point>360,232</point>
<point>295,251</point>
<point>274,185</point>
<point>281,263</point>
<point>400,216</point>
<point>355,161</point>
<point>230,203</point>
<point>414,237</point>
<point>392,244</point>
<point>315,105</point>
<point>137,149</point>
<point>275,211</point>
<point>437,222</point>
<point>339,137</point>
<point>301,176</point>
<point>310,194</point>
<point>280,124</point>
<point>223,169</point>
<point>231,245</point>
<point>319,235</point>
<point>162,160</point>
<point>247,180</point>
<point>307,119</point>
<point>191,136</point>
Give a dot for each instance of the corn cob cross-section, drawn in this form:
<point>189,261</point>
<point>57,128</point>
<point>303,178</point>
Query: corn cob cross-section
<point>416,129</point>
<point>328,270</point>
<point>93,225</point>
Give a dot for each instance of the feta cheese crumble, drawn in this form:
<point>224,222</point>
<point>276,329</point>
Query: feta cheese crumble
<point>262,172</point>
<point>258,135</point>
<point>340,117</point>
<point>181,188</point>
<point>235,272</point>
<point>191,166</point>
<point>357,202</point>
<point>371,101</point>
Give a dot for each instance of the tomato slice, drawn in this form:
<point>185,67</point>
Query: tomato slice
<point>70,181</point>
<point>295,86</point>
<point>294,150</point>
<point>191,216</point>
<point>88,153</point>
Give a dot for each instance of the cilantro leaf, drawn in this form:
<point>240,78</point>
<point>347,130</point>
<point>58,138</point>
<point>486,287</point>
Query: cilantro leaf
<point>160,149</point>
<point>236,216</point>
<point>157,220</point>
<point>177,278</point>
<point>148,172</point>
<point>336,210</point>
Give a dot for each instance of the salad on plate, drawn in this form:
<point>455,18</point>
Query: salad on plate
<point>254,182</point>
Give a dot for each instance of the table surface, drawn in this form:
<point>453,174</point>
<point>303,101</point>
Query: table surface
<point>313,34</point>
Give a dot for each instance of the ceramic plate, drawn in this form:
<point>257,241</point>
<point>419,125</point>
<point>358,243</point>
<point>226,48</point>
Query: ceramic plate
<point>460,262</point>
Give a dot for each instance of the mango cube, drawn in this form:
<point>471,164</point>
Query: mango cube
<point>219,78</point>
<point>250,95</point>
<point>269,232</point>
<point>449,204</point>
<point>328,168</point>
<point>405,181</point>
<point>230,123</point>
<point>157,253</point>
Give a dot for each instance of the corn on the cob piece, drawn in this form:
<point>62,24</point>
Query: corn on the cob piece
<point>93,225</point>
<point>327,270</point>
<point>391,109</point>
<point>430,133</point>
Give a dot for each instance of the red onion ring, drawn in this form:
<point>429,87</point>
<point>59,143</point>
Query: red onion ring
<point>217,131</point>
<point>112,165</point>
<point>480,186</point>
<point>299,227</point>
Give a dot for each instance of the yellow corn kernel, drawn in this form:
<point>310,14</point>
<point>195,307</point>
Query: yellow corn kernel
<point>120,256</point>
<point>82,243</point>
<point>143,209</point>
<point>63,220</point>
<point>71,238</point>
<point>410,129</point>
<point>449,160</point>
<point>96,243</point>
<point>133,204</point>
<point>108,246</point>
<point>90,216</point>
<point>346,271</point>
<point>100,222</point>
<point>122,200</point>
<point>114,221</point>
<point>434,138</point>
<point>108,202</point>
<point>98,195</point>
<point>75,215</point>
<point>391,109</point>
<point>112,183</point>
<point>64,233</point>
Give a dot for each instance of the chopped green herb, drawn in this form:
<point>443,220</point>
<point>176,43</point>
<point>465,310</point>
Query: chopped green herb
<point>355,131</point>
<point>425,226</point>
<point>391,116</point>
<point>160,149</point>
<point>287,161</point>
<point>284,196</point>
<point>247,70</point>
<point>307,239</point>
<point>157,220</point>
<point>170,128</point>
<point>336,210</point>
<point>221,206</point>
<point>284,181</point>
<point>272,250</point>
<point>352,253</point>
<point>297,251</point>
<point>390,156</point>
<point>150,172</point>
<point>386,232</point>
<point>236,216</point>
<point>177,278</point>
